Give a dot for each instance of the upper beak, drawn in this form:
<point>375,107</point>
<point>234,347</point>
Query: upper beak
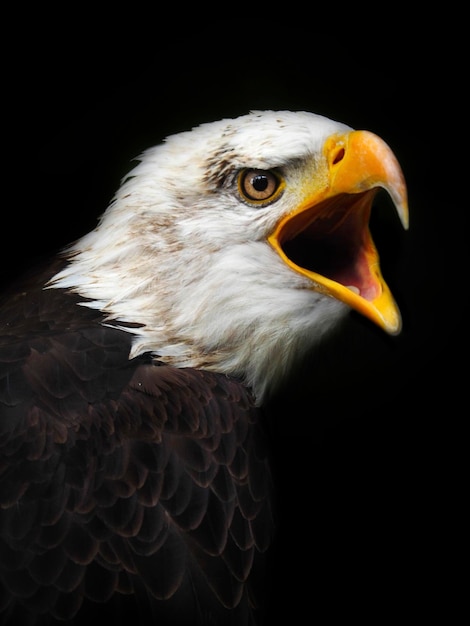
<point>327,238</point>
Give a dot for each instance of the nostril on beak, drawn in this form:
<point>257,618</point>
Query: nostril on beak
<point>339,156</point>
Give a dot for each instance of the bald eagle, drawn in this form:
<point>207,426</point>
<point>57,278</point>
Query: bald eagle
<point>135,367</point>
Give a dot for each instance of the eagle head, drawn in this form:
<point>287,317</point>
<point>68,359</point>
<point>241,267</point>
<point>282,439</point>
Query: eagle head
<point>237,245</point>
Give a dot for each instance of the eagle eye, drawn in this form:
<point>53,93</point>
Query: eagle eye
<point>258,186</point>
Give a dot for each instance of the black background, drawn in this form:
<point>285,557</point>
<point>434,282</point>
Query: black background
<point>368,437</point>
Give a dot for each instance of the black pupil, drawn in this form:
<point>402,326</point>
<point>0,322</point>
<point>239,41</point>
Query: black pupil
<point>260,182</point>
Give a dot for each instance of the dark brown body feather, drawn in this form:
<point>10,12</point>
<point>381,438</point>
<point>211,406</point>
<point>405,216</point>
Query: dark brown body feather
<point>129,490</point>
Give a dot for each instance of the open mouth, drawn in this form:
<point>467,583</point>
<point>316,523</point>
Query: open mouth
<point>329,241</point>
<point>332,240</point>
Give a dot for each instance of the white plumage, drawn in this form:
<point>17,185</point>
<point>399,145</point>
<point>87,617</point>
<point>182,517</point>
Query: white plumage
<point>182,253</point>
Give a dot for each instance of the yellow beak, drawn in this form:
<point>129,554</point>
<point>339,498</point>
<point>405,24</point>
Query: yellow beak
<point>327,238</point>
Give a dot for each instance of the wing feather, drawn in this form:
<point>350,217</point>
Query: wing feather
<point>121,477</point>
